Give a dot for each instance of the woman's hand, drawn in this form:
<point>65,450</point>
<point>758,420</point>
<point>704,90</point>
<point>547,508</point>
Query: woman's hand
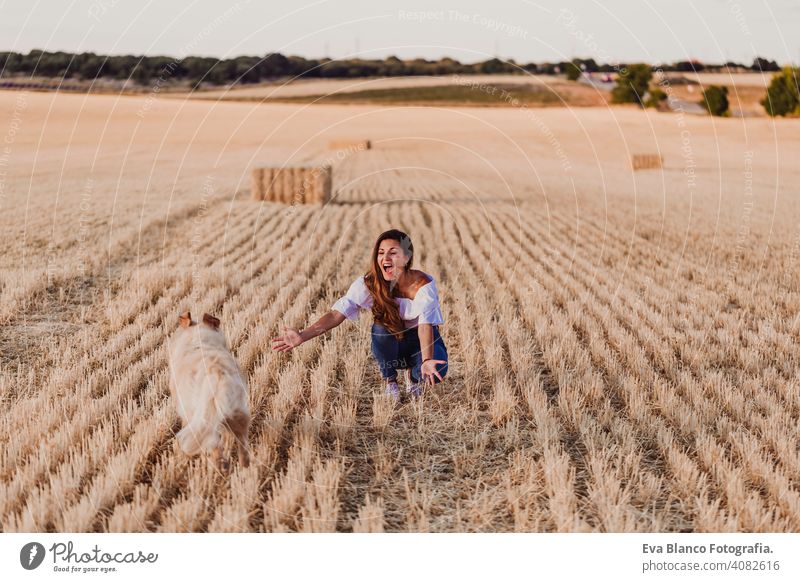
<point>429,371</point>
<point>291,338</point>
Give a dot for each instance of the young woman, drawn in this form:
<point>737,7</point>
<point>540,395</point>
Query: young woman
<point>406,311</point>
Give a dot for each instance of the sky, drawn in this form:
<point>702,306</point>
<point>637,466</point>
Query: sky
<point>655,31</point>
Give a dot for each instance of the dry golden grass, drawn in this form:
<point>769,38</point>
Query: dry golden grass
<point>623,347</point>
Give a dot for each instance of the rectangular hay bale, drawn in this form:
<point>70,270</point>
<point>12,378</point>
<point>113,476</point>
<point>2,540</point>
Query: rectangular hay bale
<point>257,184</point>
<point>324,185</point>
<point>647,161</point>
<point>292,184</point>
<point>297,193</point>
<point>350,144</point>
<point>268,187</point>
<point>286,190</point>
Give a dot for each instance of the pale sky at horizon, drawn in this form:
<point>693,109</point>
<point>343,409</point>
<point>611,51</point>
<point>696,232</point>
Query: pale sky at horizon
<point>525,30</point>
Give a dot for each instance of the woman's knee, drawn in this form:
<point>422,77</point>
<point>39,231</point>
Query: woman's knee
<point>385,348</point>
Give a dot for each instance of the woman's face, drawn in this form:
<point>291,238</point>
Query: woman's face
<point>392,259</point>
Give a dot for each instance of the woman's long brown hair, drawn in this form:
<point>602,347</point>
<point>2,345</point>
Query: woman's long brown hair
<point>385,310</point>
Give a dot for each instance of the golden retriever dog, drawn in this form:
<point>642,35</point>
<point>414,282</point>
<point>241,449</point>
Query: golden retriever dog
<point>209,390</point>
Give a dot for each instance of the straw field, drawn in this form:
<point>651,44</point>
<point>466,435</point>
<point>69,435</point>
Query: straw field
<point>623,345</point>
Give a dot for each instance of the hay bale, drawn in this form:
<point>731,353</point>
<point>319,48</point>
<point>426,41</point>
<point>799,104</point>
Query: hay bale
<point>286,190</point>
<point>300,185</point>
<point>647,162</point>
<point>293,193</point>
<point>350,144</point>
<point>257,184</point>
<point>292,184</point>
<point>319,187</point>
<point>268,187</point>
<point>325,184</point>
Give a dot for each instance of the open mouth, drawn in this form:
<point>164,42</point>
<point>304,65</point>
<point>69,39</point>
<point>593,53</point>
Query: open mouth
<point>388,269</point>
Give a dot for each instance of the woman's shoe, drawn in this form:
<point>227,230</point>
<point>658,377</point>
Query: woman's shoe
<point>393,390</point>
<point>415,389</point>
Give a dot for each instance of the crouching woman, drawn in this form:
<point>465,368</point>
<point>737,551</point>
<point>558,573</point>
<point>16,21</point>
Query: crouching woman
<point>406,312</point>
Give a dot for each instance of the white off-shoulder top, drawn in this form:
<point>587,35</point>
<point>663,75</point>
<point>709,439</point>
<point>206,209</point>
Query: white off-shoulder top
<point>424,308</point>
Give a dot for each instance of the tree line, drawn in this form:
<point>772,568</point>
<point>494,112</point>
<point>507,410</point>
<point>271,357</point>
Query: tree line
<point>254,69</point>
<point>633,80</point>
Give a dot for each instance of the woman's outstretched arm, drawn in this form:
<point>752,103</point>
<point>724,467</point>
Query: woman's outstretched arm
<point>292,338</point>
<point>428,369</point>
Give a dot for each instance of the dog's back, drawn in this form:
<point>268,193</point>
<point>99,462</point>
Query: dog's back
<point>208,388</point>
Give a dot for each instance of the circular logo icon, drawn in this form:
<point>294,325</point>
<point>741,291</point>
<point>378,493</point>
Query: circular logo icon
<point>31,555</point>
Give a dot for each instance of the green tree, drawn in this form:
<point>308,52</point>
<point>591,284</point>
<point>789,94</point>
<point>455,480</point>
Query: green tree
<point>761,64</point>
<point>715,100</point>
<point>492,66</point>
<point>689,66</point>
<point>632,84</point>
<point>573,71</point>
<point>141,74</point>
<point>92,68</point>
<point>655,98</point>
<point>783,96</point>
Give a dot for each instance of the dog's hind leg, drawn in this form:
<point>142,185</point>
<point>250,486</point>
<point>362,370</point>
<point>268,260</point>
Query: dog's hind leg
<point>220,460</point>
<point>239,424</point>
<point>215,445</point>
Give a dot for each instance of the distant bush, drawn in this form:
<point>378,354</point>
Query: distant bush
<point>761,64</point>
<point>783,97</point>
<point>715,100</point>
<point>494,66</point>
<point>573,71</point>
<point>689,66</point>
<point>632,84</point>
<point>655,98</point>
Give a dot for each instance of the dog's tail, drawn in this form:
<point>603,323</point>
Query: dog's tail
<point>203,432</point>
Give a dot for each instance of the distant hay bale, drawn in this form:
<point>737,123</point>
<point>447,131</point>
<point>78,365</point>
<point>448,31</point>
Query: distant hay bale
<point>647,161</point>
<point>298,185</point>
<point>268,185</point>
<point>292,185</point>
<point>350,144</point>
<point>257,184</point>
<point>322,186</point>
<point>284,179</point>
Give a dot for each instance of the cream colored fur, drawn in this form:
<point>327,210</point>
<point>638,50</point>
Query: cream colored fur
<point>209,390</point>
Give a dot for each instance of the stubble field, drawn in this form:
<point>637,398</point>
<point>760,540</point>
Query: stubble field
<point>623,345</point>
